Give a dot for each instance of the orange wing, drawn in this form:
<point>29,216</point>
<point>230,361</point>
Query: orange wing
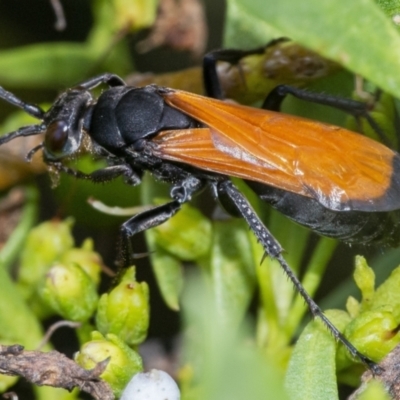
<point>341,169</point>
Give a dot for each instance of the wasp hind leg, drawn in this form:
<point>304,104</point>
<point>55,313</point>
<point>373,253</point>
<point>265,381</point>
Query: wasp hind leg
<point>273,249</point>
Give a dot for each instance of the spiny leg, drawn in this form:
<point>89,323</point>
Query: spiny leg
<point>102,175</point>
<point>274,250</point>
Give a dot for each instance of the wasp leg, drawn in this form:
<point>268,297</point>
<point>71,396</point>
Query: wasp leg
<point>111,80</point>
<point>273,249</point>
<point>31,109</point>
<point>139,223</point>
<point>103,175</point>
<point>355,108</point>
<point>211,80</point>
<point>181,193</point>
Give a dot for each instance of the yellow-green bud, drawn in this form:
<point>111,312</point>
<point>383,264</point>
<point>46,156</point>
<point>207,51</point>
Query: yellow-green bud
<point>125,311</point>
<point>123,364</point>
<point>353,306</point>
<point>88,260</point>
<point>70,292</point>
<point>364,277</point>
<point>187,236</point>
<point>44,245</point>
<point>374,333</point>
<point>388,293</point>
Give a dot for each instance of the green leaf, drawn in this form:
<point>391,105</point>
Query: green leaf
<point>232,267</point>
<point>12,247</point>
<point>311,373</point>
<point>16,319</point>
<point>167,268</point>
<point>357,34</point>
<point>168,271</point>
<point>245,30</point>
<point>55,64</point>
<point>224,365</point>
<point>60,64</point>
<point>313,275</point>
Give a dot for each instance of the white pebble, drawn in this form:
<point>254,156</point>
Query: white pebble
<point>153,385</point>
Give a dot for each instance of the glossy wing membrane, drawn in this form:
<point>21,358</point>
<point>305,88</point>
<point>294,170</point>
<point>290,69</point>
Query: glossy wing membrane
<point>341,169</point>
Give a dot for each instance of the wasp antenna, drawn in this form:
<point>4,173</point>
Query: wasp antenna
<point>29,130</point>
<point>31,109</point>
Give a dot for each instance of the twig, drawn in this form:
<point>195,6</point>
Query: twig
<point>53,328</point>
<point>54,369</point>
<point>10,395</point>
<point>390,376</point>
<point>61,22</point>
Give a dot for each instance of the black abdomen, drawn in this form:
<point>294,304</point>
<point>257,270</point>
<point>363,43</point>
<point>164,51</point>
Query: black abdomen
<point>348,226</point>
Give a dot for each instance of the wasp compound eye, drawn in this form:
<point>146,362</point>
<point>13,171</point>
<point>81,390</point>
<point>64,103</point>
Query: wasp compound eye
<point>56,137</point>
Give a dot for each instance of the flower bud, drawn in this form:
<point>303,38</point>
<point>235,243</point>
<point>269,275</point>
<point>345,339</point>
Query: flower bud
<point>353,306</point>
<point>125,311</point>
<point>374,333</point>
<point>364,277</point>
<point>123,361</point>
<point>86,258</point>
<point>44,245</point>
<point>388,293</point>
<point>70,292</point>
<point>187,236</point>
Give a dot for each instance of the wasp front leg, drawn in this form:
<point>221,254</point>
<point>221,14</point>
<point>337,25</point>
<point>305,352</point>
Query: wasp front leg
<point>103,175</point>
<point>180,193</point>
<point>139,223</point>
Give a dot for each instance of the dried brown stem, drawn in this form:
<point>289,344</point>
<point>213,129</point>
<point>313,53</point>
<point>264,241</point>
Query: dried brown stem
<point>390,376</point>
<point>53,369</point>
